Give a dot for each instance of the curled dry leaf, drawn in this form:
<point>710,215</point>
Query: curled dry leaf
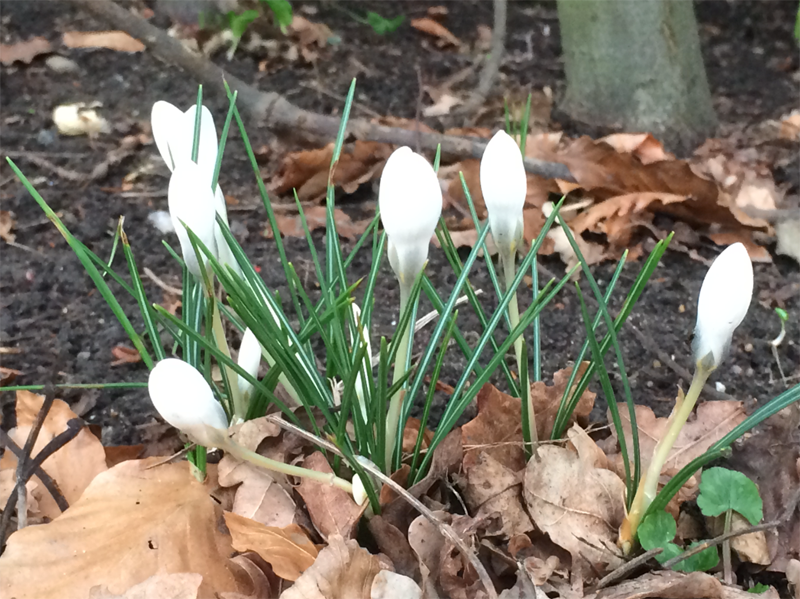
<point>23,51</point>
<point>342,569</point>
<point>158,586</point>
<point>288,550</point>
<point>316,218</point>
<point>135,520</point>
<point>112,40</point>
<point>73,467</point>
<point>751,547</point>
<point>573,497</point>
<point>7,225</point>
<point>258,497</point>
<point>427,543</point>
<point>436,29</point>
<point>331,509</point>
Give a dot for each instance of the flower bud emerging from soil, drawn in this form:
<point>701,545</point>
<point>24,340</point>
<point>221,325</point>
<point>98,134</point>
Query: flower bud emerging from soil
<point>184,399</point>
<point>249,360</point>
<point>504,186</point>
<point>191,203</point>
<point>410,200</point>
<point>724,299</point>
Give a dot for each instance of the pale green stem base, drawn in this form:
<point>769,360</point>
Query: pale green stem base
<point>239,405</point>
<point>396,402</point>
<point>648,487</point>
<point>264,462</point>
<point>509,270</point>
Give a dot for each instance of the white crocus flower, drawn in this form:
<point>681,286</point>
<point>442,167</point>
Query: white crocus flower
<point>173,132</point>
<point>410,200</point>
<point>185,400</point>
<point>191,203</point>
<point>504,186</point>
<point>249,359</point>
<point>724,299</point>
<point>359,492</point>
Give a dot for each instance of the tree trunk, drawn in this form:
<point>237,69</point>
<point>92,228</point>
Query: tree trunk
<point>636,64</point>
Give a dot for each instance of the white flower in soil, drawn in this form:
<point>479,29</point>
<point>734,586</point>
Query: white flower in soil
<point>504,186</point>
<point>724,299</point>
<point>249,359</point>
<point>173,132</point>
<point>410,200</point>
<point>191,203</point>
<point>184,399</point>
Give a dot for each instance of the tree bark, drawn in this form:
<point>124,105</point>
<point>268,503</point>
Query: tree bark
<point>636,65</point>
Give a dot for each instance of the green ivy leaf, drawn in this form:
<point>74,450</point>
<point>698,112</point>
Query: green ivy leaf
<point>722,490</point>
<point>282,10</point>
<point>382,25</point>
<point>759,588</point>
<point>700,562</point>
<point>658,530</point>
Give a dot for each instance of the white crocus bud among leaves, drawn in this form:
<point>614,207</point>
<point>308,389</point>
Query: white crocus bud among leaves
<point>184,399</point>
<point>249,360</point>
<point>504,186</point>
<point>410,200</point>
<point>191,203</point>
<point>724,299</point>
<point>359,492</point>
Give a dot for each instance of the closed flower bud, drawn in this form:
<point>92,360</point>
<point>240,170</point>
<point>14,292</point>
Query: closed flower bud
<point>249,360</point>
<point>504,186</point>
<point>359,492</point>
<point>724,299</point>
<point>410,200</point>
<point>191,203</point>
<point>184,399</point>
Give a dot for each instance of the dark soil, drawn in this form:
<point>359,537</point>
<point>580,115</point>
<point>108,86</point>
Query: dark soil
<point>58,328</point>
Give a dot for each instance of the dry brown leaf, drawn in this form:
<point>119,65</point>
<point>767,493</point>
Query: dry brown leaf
<point>259,497</point>
<point>755,193</point>
<point>112,40</point>
<point>788,234</point>
<point>116,454</point>
<point>309,33</point>
<point>292,226</point>
<point>390,585</point>
<point>158,586</point>
<point>23,51</point>
<point>125,355</point>
<point>73,467</point>
<point>331,509</point>
<point>393,543</point>
<point>642,145</point>
<point>288,550</point>
<point>790,126</point>
<point>666,585</point>
<point>428,543</point>
<point>750,547</point>
<point>133,521</point>
<point>7,224</point>
<point>458,578</point>
<point>342,569</point>
<point>436,29</point>
<point>410,433</point>
<point>442,106</point>
<point>745,237</point>
<point>580,504</point>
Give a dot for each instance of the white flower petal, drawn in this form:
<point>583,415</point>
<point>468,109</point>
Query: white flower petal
<point>166,121</point>
<point>191,201</point>
<point>183,398</point>
<point>249,359</point>
<point>207,143</point>
<point>504,186</point>
<point>723,303</point>
<point>410,200</point>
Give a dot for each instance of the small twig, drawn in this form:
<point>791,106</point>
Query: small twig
<point>160,283</point>
<point>491,66</point>
<point>626,568</point>
<point>48,482</point>
<point>445,529</point>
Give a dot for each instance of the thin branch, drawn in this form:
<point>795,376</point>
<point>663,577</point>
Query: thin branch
<point>626,568</point>
<point>444,528</point>
<point>47,480</point>
<point>280,115</point>
<point>491,66</point>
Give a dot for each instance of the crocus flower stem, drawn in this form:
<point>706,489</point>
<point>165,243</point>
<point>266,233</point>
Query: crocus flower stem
<point>264,462</point>
<point>508,260</point>
<point>218,331</point>
<point>396,402</point>
<point>648,486</point>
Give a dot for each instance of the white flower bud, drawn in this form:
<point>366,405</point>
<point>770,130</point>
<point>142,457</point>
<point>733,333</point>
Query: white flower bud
<point>410,200</point>
<point>191,202</point>
<point>249,359</point>
<point>173,132</point>
<point>184,399</point>
<point>504,186</point>
<point>359,492</point>
<point>724,299</point>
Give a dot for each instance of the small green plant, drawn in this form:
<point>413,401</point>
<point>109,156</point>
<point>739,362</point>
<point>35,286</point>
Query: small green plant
<point>658,530</point>
<point>380,24</point>
<point>758,588</point>
<point>239,22</point>
<point>783,316</point>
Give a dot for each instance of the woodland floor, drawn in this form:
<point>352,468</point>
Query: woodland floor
<point>59,328</point>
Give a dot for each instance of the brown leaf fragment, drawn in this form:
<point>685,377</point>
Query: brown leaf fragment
<point>342,569</point>
<point>493,488</point>
<point>288,550</point>
<point>393,543</point>
<point>125,355</point>
<point>7,225</point>
<point>73,467</point>
<point>428,543</point>
<point>751,547</point>
<point>258,496</point>
<point>135,520</point>
<point>316,218</point>
<point>458,578</point>
<point>436,29</point>
<point>23,51</point>
<point>111,40</point>
<point>666,585</point>
<point>390,585</point>
<point>158,586</point>
<point>496,430</point>
<point>642,145</point>
<point>578,502</point>
<point>332,510</point>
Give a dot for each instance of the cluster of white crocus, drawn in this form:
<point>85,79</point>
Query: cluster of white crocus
<point>724,299</point>
<point>191,199</point>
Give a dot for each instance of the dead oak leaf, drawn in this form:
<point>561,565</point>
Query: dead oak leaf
<point>572,497</point>
<point>258,496</point>
<point>73,467</point>
<point>642,145</point>
<point>158,586</point>
<point>111,40</point>
<point>288,550</point>
<point>23,51</point>
<point>342,569</point>
<point>436,29</point>
<point>316,218</point>
<point>140,518</point>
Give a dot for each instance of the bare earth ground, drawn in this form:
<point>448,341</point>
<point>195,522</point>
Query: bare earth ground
<point>63,330</point>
